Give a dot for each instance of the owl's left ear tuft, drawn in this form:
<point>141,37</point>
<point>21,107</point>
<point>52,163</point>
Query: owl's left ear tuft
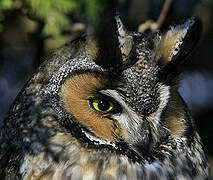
<point>178,42</point>
<point>109,55</point>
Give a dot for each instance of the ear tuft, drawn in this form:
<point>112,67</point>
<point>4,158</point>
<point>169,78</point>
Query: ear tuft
<point>178,42</point>
<point>109,54</point>
<point>114,44</point>
<point>125,41</point>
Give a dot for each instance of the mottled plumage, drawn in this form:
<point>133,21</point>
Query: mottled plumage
<point>106,107</point>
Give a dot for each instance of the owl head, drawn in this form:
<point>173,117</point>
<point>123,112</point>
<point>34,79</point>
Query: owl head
<point>115,90</point>
<point>118,89</point>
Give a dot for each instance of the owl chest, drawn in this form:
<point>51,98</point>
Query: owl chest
<point>76,167</point>
<point>84,165</point>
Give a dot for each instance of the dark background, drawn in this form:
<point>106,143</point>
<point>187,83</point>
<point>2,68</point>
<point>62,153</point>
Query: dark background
<point>23,46</point>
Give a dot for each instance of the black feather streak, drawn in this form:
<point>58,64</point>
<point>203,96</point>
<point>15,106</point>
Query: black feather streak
<point>109,55</point>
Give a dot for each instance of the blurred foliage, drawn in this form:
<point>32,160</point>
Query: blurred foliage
<point>6,4</point>
<point>54,13</point>
<point>210,2</point>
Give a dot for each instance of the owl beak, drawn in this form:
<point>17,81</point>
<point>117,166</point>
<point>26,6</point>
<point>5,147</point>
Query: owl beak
<point>135,129</point>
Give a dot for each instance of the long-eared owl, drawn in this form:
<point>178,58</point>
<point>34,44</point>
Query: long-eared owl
<point>106,107</point>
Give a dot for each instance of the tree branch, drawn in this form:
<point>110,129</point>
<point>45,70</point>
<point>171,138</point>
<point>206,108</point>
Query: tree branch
<point>149,24</point>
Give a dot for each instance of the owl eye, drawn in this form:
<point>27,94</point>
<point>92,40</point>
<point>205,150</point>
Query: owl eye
<point>102,105</point>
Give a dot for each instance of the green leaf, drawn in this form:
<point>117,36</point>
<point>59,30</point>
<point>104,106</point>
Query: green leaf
<point>6,4</point>
<point>64,6</point>
<point>50,29</point>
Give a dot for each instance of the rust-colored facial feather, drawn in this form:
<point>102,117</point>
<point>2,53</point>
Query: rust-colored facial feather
<point>92,48</point>
<point>75,95</point>
<point>175,115</point>
<point>167,46</point>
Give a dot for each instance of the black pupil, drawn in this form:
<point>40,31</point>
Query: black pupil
<point>103,105</point>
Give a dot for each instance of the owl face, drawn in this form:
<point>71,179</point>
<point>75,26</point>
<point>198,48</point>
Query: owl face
<point>120,93</point>
<point>107,105</point>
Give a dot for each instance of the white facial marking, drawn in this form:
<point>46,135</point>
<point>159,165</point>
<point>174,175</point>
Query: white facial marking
<point>154,118</point>
<point>97,140</point>
<point>127,118</point>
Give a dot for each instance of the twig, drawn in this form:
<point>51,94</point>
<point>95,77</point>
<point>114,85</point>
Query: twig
<point>149,24</point>
<point>143,27</point>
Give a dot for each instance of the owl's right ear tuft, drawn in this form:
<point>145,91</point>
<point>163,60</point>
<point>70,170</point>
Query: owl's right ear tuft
<point>177,43</point>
